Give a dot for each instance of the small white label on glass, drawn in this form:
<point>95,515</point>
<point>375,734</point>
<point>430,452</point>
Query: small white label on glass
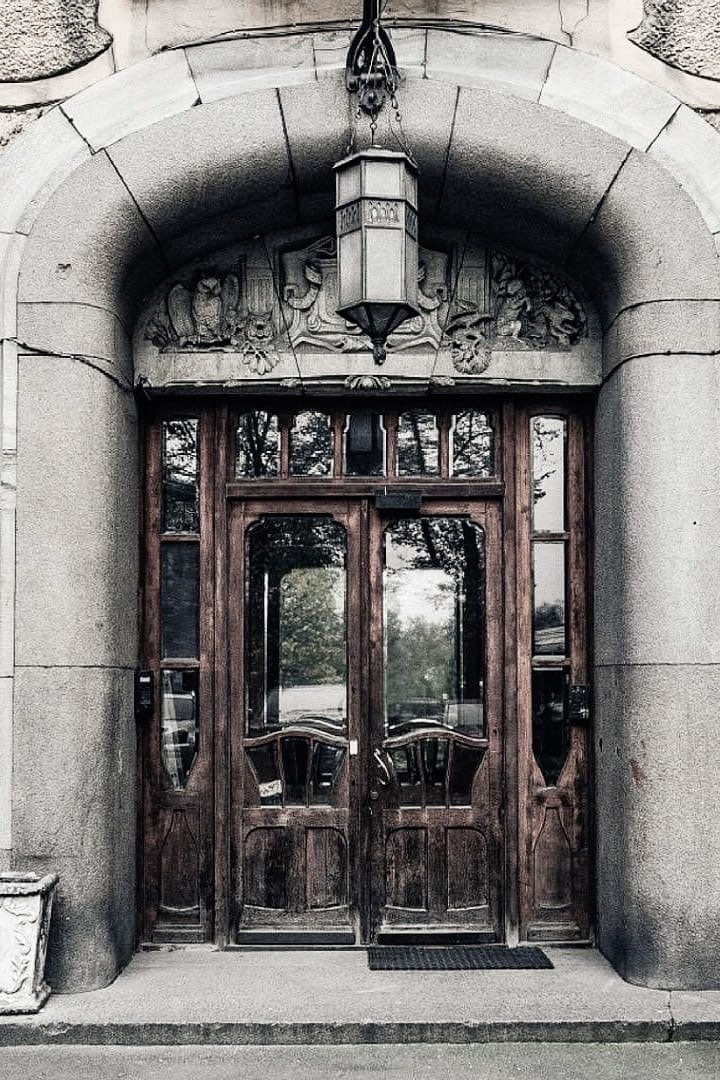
<point>353,747</point>
<point>273,787</point>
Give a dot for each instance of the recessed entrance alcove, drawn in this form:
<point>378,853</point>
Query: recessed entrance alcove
<point>203,231</point>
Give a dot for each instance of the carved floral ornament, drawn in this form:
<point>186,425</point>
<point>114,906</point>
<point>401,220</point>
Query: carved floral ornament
<point>473,303</point>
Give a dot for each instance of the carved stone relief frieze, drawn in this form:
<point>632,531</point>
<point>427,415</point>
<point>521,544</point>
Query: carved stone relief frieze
<point>273,304</point>
<point>216,314</point>
<point>311,293</point>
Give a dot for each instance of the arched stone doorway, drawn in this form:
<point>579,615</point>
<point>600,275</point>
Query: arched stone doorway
<point>526,175</point>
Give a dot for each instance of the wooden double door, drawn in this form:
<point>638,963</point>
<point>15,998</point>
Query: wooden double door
<point>370,716</point>
<point>366,718</point>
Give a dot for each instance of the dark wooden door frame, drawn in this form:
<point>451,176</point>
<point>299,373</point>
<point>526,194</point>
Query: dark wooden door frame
<point>511,486</point>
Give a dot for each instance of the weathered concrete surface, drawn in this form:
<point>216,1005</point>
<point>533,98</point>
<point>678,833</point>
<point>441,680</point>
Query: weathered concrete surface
<point>77,517</point>
<point>636,247</point>
<point>74,812</point>
<point>521,1061</point>
<point>657,674</point>
<point>330,996</point>
<point>74,752</point>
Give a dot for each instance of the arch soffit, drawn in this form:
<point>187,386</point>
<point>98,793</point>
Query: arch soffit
<point>156,166</point>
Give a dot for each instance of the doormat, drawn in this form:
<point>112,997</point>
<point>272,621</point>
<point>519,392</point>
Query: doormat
<point>456,958</point>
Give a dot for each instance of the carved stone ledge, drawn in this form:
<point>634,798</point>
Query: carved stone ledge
<point>25,907</point>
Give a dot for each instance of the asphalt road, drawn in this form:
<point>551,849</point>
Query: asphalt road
<point>496,1061</point>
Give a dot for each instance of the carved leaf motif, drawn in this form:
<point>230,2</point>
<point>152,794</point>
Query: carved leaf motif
<point>368,382</point>
<point>16,943</point>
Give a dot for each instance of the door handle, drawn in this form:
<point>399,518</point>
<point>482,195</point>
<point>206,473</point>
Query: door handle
<point>385,779</point>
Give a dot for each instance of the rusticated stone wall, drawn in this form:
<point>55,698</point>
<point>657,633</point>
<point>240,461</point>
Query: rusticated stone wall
<point>682,33</point>
<point>46,37</point>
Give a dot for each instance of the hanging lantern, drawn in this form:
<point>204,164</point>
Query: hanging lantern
<point>376,210</point>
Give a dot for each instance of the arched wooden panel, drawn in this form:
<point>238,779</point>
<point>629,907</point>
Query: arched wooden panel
<point>326,868</point>
<point>266,866</point>
<point>406,869</point>
<point>467,868</point>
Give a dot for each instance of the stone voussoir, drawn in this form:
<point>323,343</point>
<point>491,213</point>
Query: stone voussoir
<point>511,63</point>
<point>602,94</point>
<point>133,99</point>
<point>657,327</point>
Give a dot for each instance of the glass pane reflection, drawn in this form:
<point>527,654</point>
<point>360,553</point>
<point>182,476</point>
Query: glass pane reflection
<point>258,445</point>
<point>296,625</point>
<point>471,445</point>
<point>417,444</point>
<point>311,445</point>
<point>434,625</point>
<point>180,507</point>
<point>549,607</point>
<point>548,450</point>
<point>179,740</point>
<point>551,731</point>
<point>179,603</point>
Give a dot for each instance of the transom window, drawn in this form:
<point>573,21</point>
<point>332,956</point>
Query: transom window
<point>365,442</point>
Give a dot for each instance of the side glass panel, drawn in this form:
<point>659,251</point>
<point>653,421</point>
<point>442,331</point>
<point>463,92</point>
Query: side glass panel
<point>417,444</point>
<point>471,444</point>
<point>364,437</point>
<point>179,569</point>
<point>551,731</point>
<point>258,445</point>
<point>179,727</point>
<point>311,444</point>
<point>434,582</point>
<point>180,503</point>
<point>296,629</point>
<point>548,466</point>
<point>549,607</point>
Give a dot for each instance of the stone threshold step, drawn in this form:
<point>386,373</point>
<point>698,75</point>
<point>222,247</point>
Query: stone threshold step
<point>22,1032</point>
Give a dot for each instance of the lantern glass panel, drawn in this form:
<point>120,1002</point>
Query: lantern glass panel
<point>383,179</point>
<point>348,184</point>
<point>411,270</point>
<point>350,268</point>
<point>384,264</point>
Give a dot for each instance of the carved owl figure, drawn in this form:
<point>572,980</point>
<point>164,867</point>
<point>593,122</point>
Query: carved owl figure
<point>207,309</point>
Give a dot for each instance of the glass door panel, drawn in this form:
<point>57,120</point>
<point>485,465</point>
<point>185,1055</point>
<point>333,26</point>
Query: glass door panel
<point>435,771</point>
<point>294,867</point>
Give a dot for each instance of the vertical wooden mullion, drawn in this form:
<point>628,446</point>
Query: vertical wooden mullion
<point>222,753</point>
<point>151,652</point>
<point>373,870</point>
<point>523,718</point>
<point>231,784</point>
<point>577,648</point>
<point>507,464</point>
<point>390,423</point>
<point>443,422</point>
<point>338,423</point>
<point>201,776</point>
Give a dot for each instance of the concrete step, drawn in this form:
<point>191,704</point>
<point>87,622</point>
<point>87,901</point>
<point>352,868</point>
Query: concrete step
<point>197,995</point>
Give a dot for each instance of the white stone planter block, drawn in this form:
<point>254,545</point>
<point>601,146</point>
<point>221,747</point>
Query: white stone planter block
<point>25,906</point>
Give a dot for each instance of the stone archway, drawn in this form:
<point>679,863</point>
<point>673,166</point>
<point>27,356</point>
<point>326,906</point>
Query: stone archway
<point>131,178</point>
